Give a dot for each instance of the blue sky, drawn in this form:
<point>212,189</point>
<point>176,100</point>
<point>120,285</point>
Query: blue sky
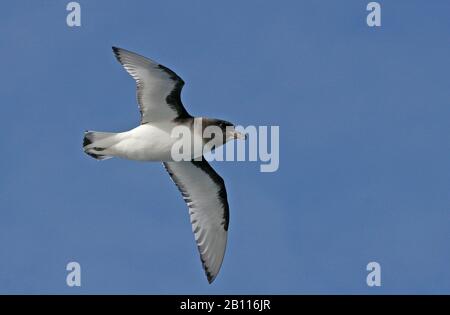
<point>364,146</point>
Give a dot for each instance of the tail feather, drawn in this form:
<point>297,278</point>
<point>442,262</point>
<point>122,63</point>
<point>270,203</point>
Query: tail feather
<point>95,144</point>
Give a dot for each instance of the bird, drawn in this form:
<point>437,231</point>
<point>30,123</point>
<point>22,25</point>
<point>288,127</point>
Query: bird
<point>158,92</point>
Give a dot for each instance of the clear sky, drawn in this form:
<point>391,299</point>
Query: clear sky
<point>364,146</point>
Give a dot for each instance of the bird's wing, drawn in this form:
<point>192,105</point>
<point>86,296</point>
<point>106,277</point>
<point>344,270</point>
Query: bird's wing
<point>204,192</point>
<point>158,87</point>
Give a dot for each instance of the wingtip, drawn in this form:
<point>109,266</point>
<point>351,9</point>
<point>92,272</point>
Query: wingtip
<point>115,50</point>
<point>210,279</point>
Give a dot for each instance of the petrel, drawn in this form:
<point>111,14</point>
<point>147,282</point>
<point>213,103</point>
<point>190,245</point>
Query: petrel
<point>203,190</point>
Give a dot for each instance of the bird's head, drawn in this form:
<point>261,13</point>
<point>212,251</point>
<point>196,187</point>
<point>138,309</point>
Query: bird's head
<point>211,128</point>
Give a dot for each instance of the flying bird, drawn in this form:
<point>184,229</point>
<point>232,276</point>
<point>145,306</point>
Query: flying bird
<point>203,190</point>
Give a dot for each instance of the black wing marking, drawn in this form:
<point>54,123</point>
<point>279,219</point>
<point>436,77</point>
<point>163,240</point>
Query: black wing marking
<point>205,194</point>
<point>158,87</point>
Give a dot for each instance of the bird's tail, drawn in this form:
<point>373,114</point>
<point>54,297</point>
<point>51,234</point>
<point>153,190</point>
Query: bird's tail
<point>96,144</point>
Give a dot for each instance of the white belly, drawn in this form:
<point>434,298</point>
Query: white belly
<point>148,142</point>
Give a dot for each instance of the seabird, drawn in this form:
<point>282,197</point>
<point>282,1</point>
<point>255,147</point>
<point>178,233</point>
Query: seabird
<point>203,190</point>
